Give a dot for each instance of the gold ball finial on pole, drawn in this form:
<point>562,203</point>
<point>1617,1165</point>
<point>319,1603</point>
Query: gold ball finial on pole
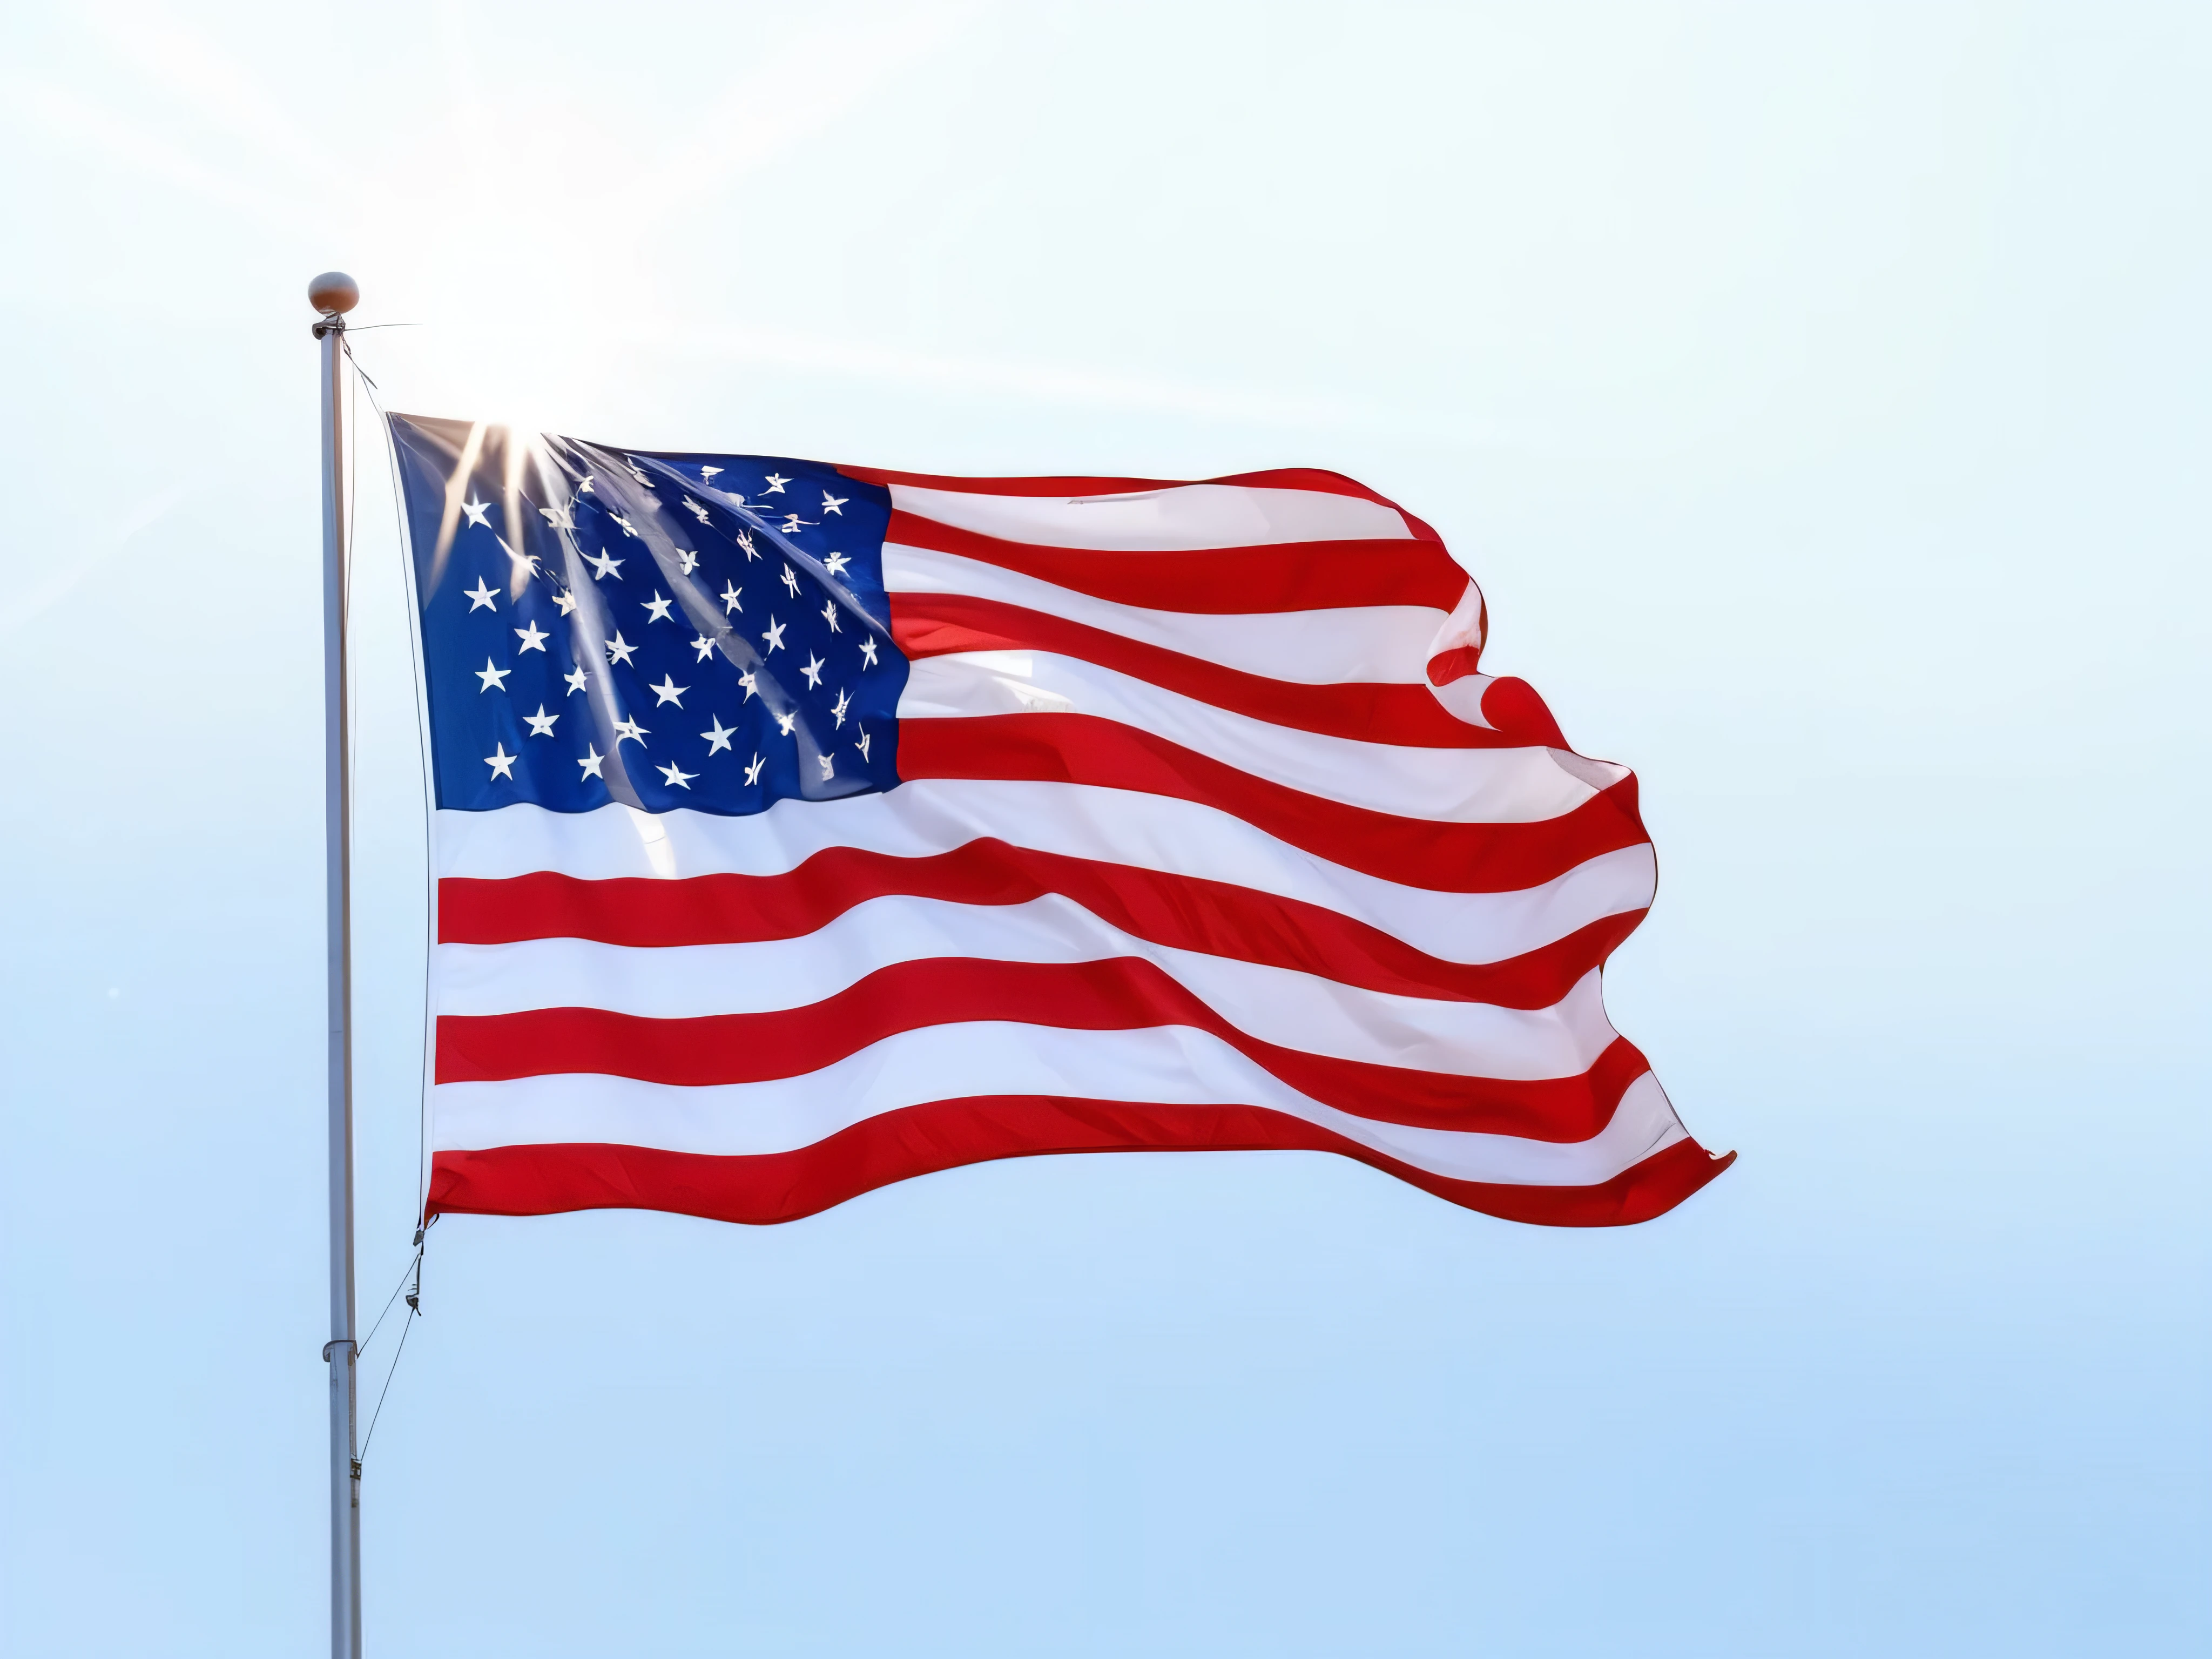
<point>333,293</point>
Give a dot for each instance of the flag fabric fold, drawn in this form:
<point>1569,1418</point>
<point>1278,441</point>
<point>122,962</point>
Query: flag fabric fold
<point>801,829</point>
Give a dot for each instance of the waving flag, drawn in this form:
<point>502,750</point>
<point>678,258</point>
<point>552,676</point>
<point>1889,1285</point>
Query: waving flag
<point>801,829</point>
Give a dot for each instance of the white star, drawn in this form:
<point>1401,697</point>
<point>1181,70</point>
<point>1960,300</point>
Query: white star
<point>812,669</point>
<point>708,471</point>
<point>829,767</point>
<point>532,638</point>
<point>584,488</point>
<point>477,510</point>
<point>718,736</point>
<point>565,600</point>
<point>603,565</point>
<point>704,646</point>
<point>668,691</point>
<point>829,616</point>
<point>501,762</point>
<point>864,740</point>
<point>479,597</point>
<point>541,723</point>
<point>494,679</point>
<point>558,517</point>
<point>631,730</point>
<point>836,564</point>
<point>619,650</point>
<point>628,528</point>
<point>775,484</point>
<point>868,651</point>
<point>791,580</point>
<point>636,472</point>
<point>676,776</point>
<point>732,599</point>
<point>657,608</point>
<point>698,510</point>
<point>746,680</point>
<point>833,503</point>
<point>575,678</point>
<point>844,702</point>
<point>790,525</point>
<point>753,772</point>
<point>786,721</point>
<point>591,761</point>
<point>774,635</point>
<point>745,541</point>
<point>686,561</point>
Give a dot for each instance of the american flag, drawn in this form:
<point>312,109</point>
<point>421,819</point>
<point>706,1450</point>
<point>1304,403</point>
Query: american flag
<point>800,829</point>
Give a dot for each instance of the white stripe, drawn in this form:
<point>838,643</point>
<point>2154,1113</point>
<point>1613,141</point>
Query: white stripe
<point>1168,1065</point>
<point>1176,517</point>
<point>1446,786</point>
<point>1281,1006</point>
<point>1389,644</point>
<point>1147,832</point>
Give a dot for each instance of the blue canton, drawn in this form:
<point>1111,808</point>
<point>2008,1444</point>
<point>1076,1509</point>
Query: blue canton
<point>662,629</point>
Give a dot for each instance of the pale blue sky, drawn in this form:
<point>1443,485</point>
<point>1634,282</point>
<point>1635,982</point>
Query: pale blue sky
<point>1821,395</point>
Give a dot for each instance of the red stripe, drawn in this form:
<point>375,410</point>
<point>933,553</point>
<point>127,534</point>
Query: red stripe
<point>936,624</point>
<point>1215,581</point>
<point>1121,993</point>
<point>1283,477</point>
<point>1456,663</point>
<point>945,1134</point>
<point>1185,913</point>
<point>1455,858</point>
<point>1513,705</point>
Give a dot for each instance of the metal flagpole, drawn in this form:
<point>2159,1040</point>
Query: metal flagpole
<point>333,294</point>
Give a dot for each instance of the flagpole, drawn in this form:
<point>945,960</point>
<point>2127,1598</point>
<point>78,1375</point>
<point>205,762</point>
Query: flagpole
<point>332,294</point>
